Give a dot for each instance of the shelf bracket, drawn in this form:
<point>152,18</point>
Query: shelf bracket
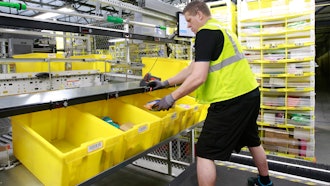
<point>112,95</point>
<point>58,104</point>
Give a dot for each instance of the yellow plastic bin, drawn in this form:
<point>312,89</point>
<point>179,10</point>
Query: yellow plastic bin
<point>171,119</point>
<point>203,112</point>
<point>159,67</point>
<point>146,128</point>
<point>65,146</point>
<point>194,109</point>
<point>39,66</point>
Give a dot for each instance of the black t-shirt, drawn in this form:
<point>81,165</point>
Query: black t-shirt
<point>208,45</point>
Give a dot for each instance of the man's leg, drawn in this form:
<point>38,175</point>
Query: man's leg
<point>206,172</point>
<point>259,158</point>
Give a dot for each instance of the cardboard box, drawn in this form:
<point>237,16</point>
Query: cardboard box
<point>276,140</point>
<point>276,137</point>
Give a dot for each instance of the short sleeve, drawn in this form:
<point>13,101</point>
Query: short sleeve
<point>208,45</point>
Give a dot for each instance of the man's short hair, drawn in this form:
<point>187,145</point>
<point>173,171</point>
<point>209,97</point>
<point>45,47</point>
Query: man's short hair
<point>193,7</point>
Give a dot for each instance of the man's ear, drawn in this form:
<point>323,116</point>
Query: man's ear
<point>200,15</point>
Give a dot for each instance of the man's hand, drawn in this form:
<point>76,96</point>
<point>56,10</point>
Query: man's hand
<point>157,84</point>
<point>164,104</point>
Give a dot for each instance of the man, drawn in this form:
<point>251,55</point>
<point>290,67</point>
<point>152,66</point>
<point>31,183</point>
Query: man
<point>222,77</point>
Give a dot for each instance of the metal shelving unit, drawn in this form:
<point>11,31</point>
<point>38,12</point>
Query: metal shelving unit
<point>279,41</point>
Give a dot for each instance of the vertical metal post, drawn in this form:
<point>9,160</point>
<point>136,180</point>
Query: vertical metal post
<point>3,55</point>
<point>3,48</point>
<point>192,145</point>
<point>178,147</point>
<point>169,159</point>
<point>89,46</point>
<point>50,74</point>
<point>128,59</point>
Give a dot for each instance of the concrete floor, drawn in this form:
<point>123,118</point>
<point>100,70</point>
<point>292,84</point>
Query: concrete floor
<point>135,176</point>
<point>322,120</point>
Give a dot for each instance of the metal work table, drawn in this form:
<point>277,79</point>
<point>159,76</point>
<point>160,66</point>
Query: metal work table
<point>27,103</point>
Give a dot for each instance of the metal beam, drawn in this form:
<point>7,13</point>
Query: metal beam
<point>159,6</point>
<point>127,6</point>
<point>27,22</point>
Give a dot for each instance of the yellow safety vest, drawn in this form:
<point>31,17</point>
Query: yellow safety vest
<point>230,75</point>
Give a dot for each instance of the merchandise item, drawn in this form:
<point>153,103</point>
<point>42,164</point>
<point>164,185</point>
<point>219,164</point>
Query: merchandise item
<point>150,105</point>
<point>109,120</point>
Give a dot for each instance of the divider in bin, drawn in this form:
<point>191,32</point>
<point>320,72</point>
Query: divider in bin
<point>171,119</point>
<point>65,146</point>
<point>193,108</point>
<point>145,128</point>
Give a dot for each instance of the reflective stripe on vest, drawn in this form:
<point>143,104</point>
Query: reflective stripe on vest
<point>238,55</point>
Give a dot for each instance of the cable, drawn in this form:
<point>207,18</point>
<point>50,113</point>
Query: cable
<point>152,65</point>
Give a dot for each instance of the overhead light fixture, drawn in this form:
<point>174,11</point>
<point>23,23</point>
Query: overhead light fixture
<point>116,40</point>
<point>48,15</point>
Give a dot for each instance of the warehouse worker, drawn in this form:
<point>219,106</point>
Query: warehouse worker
<point>222,77</point>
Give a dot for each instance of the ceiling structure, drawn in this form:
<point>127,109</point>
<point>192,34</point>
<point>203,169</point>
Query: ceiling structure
<point>101,9</point>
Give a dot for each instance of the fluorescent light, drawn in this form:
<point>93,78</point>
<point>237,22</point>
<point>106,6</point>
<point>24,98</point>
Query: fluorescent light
<point>48,15</point>
<point>116,40</point>
<point>65,9</point>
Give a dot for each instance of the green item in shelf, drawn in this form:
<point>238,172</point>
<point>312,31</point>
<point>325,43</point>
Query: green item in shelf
<point>300,118</point>
<point>109,120</point>
<point>296,24</point>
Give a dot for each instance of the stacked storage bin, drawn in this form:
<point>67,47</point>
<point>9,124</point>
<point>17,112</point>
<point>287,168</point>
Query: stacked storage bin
<point>52,71</point>
<point>172,119</point>
<point>225,12</point>
<point>159,67</point>
<point>193,114</point>
<point>65,146</point>
<point>145,128</point>
<point>279,41</point>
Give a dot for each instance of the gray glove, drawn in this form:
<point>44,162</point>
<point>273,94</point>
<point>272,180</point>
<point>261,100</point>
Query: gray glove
<point>164,104</point>
<point>157,84</point>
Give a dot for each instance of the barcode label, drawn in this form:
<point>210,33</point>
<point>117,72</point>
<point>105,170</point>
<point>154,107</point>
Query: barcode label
<point>142,128</point>
<point>173,116</point>
<point>95,146</point>
<point>51,55</point>
<point>196,108</point>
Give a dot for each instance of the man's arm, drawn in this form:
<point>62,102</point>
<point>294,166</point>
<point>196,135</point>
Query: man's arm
<point>181,76</point>
<point>197,76</point>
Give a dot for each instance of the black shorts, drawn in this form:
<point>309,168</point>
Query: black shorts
<point>230,125</point>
